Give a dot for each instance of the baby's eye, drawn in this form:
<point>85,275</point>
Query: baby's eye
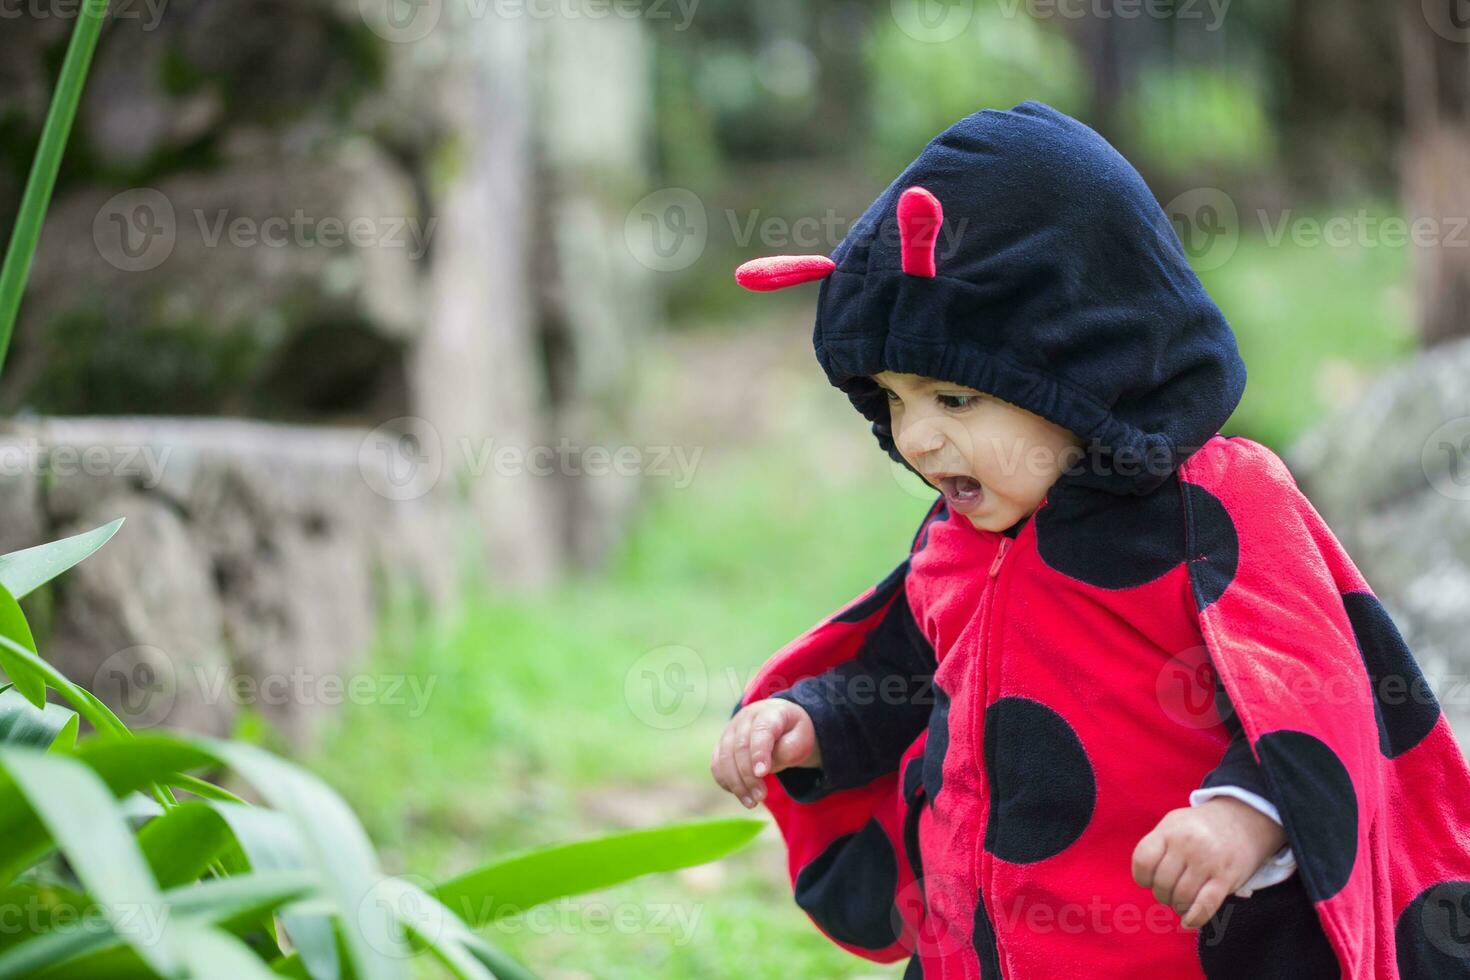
<point>889,394</point>
<point>957,401</point>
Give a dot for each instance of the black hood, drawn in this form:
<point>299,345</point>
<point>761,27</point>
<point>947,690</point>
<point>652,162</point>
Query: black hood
<point>1060,286</point>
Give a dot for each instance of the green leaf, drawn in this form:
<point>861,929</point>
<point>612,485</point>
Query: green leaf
<point>22,723</point>
<point>44,168</point>
<point>66,739</point>
<point>516,883</point>
<point>87,949</point>
<point>21,669</point>
<point>271,842</point>
<point>100,716</point>
<point>433,925</point>
<point>239,900</point>
<point>83,817</point>
<point>124,765</point>
<point>336,848</point>
<point>34,907</point>
<point>181,844</point>
<point>202,789</point>
<point>22,572</point>
<point>212,953</point>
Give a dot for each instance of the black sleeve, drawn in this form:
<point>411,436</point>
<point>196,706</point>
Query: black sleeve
<point>1238,767</point>
<point>866,711</point>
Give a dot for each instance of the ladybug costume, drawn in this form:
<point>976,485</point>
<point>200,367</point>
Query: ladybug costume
<point>1006,715</point>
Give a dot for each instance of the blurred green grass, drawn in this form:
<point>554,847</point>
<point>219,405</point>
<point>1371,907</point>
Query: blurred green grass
<point>530,738</point>
<point>1313,325</point>
<point>533,731</point>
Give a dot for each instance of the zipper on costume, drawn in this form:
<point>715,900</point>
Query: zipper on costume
<point>985,630</point>
<point>1000,553</point>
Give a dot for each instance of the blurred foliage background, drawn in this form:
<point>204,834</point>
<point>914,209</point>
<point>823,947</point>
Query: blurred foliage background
<point>1255,122</point>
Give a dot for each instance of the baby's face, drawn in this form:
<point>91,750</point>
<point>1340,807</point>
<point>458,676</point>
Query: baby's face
<point>993,462</point>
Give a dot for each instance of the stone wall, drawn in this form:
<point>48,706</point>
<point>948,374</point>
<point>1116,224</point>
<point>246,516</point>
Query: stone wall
<point>347,212</point>
<point>254,566</point>
<point>397,228</point>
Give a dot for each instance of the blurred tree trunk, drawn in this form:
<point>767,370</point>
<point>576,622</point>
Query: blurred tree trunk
<point>1342,97</point>
<point>1097,37</point>
<point>1436,159</point>
<point>1329,65</point>
<point>477,380</point>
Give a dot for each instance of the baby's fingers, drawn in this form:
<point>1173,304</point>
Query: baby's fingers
<point>767,725</point>
<point>751,786</point>
<point>722,763</point>
<point>1186,890</point>
<point>1146,858</point>
<point>1211,896</point>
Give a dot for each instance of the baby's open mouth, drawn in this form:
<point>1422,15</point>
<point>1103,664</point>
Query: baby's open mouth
<point>962,493</point>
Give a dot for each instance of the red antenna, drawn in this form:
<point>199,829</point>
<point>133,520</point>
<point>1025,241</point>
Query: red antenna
<point>919,218</point>
<point>780,271</point>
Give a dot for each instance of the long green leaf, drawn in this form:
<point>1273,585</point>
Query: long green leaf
<point>203,790</point>
<point>22,723</point>
<point>83,818</point>
<point>22,572</point>
<point>516,883</point>
<point>124,765</point>
<point>212,953</point>
<point>97,714</point>
<point>338,850</point>
<point>34,907</point>
<point>458,947</point>
<point>47,163</point>
<point>271,842</point>
<point>86,704</point>
<point>86,949</point>
<point>181,844</point>
<point>27,679</point>
<point>432,925</point>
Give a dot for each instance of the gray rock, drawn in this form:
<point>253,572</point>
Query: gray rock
<point>254,568</point>
<point>1391,475</point>
<point>139,622</point>
<point>22,517</point>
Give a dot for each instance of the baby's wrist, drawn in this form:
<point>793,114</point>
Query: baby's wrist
<point>1266,835</point>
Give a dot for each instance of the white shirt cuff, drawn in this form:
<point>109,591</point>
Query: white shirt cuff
<point>1279,866</point>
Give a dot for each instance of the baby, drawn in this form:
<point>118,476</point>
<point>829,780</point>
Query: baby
<point>960,439</point>
<point>1124,655</point>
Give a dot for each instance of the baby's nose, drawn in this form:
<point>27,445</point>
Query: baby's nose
<point>920,439</point>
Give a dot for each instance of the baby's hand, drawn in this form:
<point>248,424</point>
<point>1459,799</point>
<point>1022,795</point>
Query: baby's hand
<point>1198,856</point>
<point>763,737</point>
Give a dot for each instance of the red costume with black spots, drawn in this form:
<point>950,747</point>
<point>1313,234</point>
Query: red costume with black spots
<point>1006,715</point>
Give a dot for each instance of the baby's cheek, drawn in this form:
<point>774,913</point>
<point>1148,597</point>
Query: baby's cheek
<point>1020,489</point>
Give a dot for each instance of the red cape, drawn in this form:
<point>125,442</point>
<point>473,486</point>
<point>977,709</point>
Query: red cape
<point>1073,710</point>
